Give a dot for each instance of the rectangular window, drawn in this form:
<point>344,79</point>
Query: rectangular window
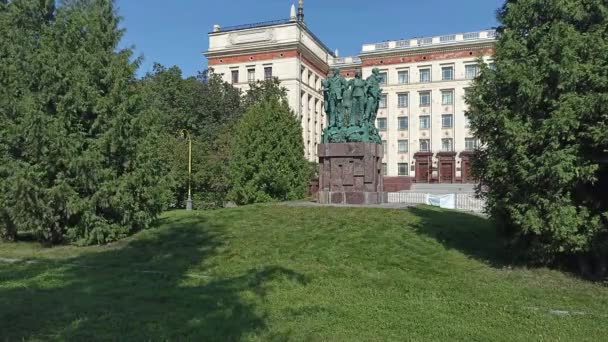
<point>235,76</point>
<point>447,97</point>
<point>492,66</point>
<point>402,146</point>
<point>425,145</point>
<point>267,73</point>
<point>403,123</point>
<point>251,75</point>
<point>402,169</point>
<point>384,147</point>
<point>384,169</point>
<point>381,124</point>
<point>404,77</point>
<point>425,99</point>
<point>471,71</point>
<point>447,121</point>
<point>403,100</point>
<point>382,101</point>
<point>447,145</point>
<point>447,73</point>
<point>425,75</point>
<point>470,144</point>
<point>467,121</point>
<point>383,78</point>
<point>425,122</point>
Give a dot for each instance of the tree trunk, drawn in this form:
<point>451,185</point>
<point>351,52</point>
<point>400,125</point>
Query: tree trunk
<point>601,266</point>
<point>584,266</point>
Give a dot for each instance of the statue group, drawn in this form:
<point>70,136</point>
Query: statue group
<point>352,107</point>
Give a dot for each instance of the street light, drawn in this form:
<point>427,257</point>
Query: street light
<point>186,135</point>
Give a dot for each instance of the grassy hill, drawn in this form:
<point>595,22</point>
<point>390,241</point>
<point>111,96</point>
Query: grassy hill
<point>273,272</point>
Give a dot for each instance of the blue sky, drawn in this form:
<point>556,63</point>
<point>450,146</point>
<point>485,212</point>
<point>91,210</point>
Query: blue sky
<point>175,32</point>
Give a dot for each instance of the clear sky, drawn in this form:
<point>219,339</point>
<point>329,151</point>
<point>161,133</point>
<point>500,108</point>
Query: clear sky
<point>175,32</point>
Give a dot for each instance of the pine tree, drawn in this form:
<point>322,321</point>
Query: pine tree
<point>268,155</point>
<point>78,165</point>
<point>542,117</point>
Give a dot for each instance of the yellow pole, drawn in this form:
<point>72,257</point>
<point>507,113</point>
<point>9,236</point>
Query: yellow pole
<point>189,166</point>
<point>187,135</point>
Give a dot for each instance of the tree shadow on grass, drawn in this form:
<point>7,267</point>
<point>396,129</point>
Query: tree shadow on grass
<point>153,288</point>
<point>470,234</point>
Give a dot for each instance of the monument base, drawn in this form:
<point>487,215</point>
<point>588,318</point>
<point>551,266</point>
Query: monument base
<point>350,173</point>
<point>360,198</point>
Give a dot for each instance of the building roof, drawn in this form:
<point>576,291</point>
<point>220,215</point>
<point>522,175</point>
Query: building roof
<point>279,22</point>
<point>426,42</point>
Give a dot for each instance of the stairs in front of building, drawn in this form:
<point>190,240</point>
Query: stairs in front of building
<point>442,189</point>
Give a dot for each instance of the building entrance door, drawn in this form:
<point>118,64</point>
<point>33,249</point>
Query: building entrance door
<point>422,176</point>
<point>467,177</point>
<point>446,172</point>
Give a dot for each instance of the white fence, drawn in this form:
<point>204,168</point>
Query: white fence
<point>463,201</point>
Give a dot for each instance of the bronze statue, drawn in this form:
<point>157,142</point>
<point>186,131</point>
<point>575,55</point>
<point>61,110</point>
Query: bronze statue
<point>359,99</point>
<point>355,103</point>
<point>336,89</point>
<point>373,96</point>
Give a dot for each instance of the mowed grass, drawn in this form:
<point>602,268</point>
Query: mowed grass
<point>273,272</point>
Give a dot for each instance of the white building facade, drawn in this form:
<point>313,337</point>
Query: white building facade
<point>284,49</point>
<point>422,115</point>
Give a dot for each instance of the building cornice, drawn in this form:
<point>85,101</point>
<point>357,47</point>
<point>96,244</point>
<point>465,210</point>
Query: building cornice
<point>427,50</point>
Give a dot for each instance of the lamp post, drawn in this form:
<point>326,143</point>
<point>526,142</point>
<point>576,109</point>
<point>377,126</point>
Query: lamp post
<point>186,135</point>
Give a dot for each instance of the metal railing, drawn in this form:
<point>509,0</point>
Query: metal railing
<point>255,25</point>
<point>463,201</point>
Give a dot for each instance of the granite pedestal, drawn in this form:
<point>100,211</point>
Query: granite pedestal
<point>350,173</point>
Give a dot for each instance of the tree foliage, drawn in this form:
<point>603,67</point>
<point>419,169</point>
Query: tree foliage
<point>207,108</point>
<point>542,117</point>
<point>268,161</point>
<point>76,162</point>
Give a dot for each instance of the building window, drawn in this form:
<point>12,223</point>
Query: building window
<point>425,145</point>
<point>384,147</point>
<point>235,76</point>
<point>267,73</point>
<point>251,75</point>
<point>447,121</point>
<point>470,144</point>
<point>492,66</point>
<point>402,146</point>
<point>425,122</point>
<point>447,97</point>
<point>425,75</point>
<point>447,145</point>
<point>404,77</point>
<point>403,100</point>
<point>447,73</point>
<point>467,121</point>
<point>382,103</point>
<point>381,124</point>
<point>402,169</point>
<point>383,78</point>
<point>384,169</point>
<point>403,123</point>
<point>425,99</point>
<point>471,71</point>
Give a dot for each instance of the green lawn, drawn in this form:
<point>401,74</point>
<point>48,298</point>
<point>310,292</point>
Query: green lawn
<point>273,272</point>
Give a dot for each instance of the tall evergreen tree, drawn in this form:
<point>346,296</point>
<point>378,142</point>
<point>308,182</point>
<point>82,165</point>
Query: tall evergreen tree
<point>542,117</point>
<point>268,155</point>
<point>77,164</point>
